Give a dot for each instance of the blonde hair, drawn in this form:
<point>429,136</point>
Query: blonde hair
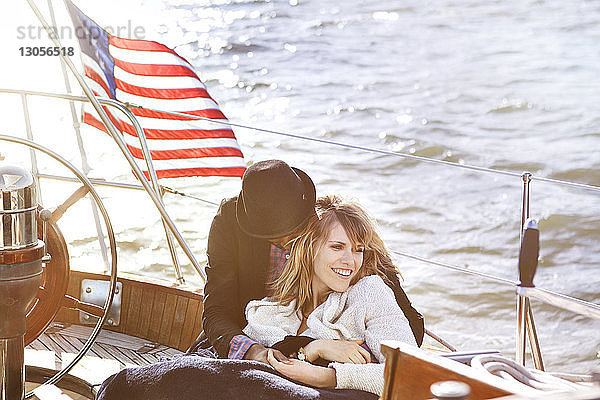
<point>295,282</point>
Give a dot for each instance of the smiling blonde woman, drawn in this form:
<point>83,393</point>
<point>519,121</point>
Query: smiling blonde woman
<point>332,300</point>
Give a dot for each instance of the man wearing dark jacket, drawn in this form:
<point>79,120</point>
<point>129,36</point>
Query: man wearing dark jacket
<point>247,249</point>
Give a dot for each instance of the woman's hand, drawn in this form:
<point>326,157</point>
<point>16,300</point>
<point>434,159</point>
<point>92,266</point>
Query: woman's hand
<point>258,352</point>
<point>304,372</point>
<point>344,351</point>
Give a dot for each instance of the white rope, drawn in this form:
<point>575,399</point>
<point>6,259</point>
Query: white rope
<point>544,381</point>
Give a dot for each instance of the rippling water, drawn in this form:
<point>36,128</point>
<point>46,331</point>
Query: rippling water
<point>509,85</point>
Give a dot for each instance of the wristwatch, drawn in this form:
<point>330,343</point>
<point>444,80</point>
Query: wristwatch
<point>301,354</point>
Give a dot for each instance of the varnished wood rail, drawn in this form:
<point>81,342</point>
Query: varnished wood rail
<point>410,371</point>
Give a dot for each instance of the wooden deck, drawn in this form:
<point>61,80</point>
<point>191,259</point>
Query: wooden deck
<point>157,321</point>
<point>112,351</point>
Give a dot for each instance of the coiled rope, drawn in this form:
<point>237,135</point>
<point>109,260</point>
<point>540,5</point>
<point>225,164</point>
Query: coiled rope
<point>545,381</point>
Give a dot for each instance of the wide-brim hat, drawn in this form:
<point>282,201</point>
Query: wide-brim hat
<point>275,199</point>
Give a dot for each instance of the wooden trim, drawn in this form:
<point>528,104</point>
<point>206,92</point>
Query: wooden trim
<point>25,255</point>
<point>187,334</point>
<point>158,307</point>
<point>410,371</point>
<point>157,311</point>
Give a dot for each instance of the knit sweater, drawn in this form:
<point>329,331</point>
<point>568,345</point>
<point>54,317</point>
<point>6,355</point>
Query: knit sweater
<point>366,311</point>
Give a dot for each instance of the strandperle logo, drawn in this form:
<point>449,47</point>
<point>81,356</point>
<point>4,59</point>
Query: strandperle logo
<point>69,32</point>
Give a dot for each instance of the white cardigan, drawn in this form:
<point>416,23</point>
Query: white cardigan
<point>366,311</point>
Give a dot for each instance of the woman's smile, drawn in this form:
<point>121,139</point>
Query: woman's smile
<point>343,272</point>
<point>336,263</point>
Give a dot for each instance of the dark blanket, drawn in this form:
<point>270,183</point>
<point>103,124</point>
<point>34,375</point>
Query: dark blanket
<point>193,377</point>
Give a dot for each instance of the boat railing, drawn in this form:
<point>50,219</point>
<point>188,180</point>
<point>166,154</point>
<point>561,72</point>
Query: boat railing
<point>525,321</point>
<point>154,192</point>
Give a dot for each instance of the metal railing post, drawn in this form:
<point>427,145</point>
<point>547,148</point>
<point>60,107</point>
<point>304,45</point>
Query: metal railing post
<point>536,351</point>
<point>525,207</point>
<point>521,303</point>
<point>525,322</point>
<point>34,166</point>
<point>171,244</point>
<point>521,338</point>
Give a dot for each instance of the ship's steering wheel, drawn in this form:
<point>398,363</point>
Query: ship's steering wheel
<point>52,295</point>
<point>55,277</point>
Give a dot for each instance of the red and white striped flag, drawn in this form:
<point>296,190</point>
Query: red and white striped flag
<point>152,75</point>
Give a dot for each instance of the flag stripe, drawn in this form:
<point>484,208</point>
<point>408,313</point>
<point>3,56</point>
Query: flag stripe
<point>93,65</point>
<point>188,172</point>
<point>177,144</point>
<point>154,70</point>
<point>182,134</point>
<point>93,75</point>
<point>163,123</point>
<point>93,121</point>
<point>204,162</point>
<point>142,45</point>
<point>159,82</point>
<point>97,123</point>
<point>208,113</point>
<point>161,93</point>
<point>147,57</point>
<point>187,153</point>
<point>179,105</point>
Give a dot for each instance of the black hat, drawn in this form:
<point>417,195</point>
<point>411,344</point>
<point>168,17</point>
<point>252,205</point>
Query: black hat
<point>275,199</point>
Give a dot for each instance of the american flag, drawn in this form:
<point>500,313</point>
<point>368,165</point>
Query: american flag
<point>151,75</point>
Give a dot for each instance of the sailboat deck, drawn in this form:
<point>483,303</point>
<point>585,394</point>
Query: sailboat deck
<point>157,321</point>
<point>111,352</point>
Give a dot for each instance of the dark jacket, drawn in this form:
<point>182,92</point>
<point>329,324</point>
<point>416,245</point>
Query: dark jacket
<point>236,273</point>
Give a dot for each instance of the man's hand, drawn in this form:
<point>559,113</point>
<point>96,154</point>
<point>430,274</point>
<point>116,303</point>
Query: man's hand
<point>344,351</point>
<point>258,352</point>
<point>302,371</point>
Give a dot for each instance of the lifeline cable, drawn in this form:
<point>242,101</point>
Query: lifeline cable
<point>385,152</point>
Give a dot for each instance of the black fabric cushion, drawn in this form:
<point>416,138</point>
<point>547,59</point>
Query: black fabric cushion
<point>193,377</point>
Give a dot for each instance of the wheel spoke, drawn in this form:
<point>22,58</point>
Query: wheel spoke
<point>73,303</point>
<point>74,198</point>
<point>88,308</point>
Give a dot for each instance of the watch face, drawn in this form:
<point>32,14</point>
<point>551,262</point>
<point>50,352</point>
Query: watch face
<point>301,355</point>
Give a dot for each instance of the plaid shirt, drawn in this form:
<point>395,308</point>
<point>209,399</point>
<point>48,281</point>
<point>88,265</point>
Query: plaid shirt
<point>240,344</point>
<point>277,260</point>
